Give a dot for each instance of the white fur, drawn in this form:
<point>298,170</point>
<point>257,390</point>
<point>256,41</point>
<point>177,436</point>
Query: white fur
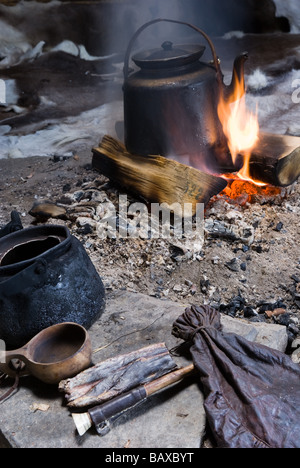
<point>77,50</point>
<point>276,110</point>
<point>232,34</point>
<point>257,80</point>
<point>63,136</point>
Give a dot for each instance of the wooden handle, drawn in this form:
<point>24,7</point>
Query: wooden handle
<point>168,379</point>
<point>8,356</point>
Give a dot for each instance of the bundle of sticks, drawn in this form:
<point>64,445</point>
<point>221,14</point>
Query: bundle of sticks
<point>119,383</point>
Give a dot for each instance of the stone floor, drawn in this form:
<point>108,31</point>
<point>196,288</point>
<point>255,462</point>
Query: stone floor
<point>174,418</point>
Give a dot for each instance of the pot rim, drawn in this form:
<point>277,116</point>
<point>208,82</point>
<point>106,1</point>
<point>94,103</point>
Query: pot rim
<point>37,341</point>
<point>23,236</point>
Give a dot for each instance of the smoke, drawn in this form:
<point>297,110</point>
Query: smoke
<point>127,17</point>
<point>107,27</point>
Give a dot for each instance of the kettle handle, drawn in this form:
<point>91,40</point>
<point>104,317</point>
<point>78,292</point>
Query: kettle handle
<point>141,29</point>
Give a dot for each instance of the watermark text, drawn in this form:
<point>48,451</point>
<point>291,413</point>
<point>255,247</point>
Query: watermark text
<point>2,351</point>
<point>296,93</point>
<point>157,220</point>
<point>2,92</point>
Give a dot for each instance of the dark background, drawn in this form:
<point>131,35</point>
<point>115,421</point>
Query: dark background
<point>106,26</point>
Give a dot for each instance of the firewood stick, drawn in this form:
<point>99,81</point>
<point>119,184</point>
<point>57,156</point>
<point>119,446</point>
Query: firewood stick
<point>99,415</point>
<point>155,178</point>
<point>275,159</point>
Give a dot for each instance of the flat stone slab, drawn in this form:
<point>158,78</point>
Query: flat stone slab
<point>174,418</point>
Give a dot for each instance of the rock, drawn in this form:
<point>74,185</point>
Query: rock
<point>47,209</point>
<point>296,356</point>
<point>296,343</point>
<point>272,335</point>
<point>232,265</point>
<point>215,260</point>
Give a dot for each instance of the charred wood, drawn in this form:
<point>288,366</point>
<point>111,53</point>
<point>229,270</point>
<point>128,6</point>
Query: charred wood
<point>275,159</point>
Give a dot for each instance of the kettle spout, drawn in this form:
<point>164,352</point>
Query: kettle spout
<point>236,89</point>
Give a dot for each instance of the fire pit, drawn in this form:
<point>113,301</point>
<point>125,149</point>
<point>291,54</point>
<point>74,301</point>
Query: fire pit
<point>177,107</point>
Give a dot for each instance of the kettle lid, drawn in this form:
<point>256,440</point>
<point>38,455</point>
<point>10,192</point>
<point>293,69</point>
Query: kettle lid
<point>169,56</point>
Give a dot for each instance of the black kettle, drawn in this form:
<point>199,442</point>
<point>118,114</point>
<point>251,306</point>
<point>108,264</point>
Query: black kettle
<point>46,277</point>
<point>170,102</point>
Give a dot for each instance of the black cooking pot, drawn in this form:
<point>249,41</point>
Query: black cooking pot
<point>171,101</point>
<point>46,277</point>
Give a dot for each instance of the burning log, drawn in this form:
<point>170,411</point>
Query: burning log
<point>155,178</point>
<point>117,375</point>
<point>275,159</point>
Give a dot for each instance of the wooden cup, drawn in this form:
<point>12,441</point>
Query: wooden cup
<point>56,353</point>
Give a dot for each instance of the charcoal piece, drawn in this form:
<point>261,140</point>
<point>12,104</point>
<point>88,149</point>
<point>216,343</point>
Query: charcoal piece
<point>279,226</point>
<point>284,319</point>
<point>232,265</point>
<point>249,312</point>
<point>295,278</point>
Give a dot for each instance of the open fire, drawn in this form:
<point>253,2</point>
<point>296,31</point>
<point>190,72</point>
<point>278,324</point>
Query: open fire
<point>269,162</point>
<point>240,192</point>
<point>188,135</point>
<point>241,128</point>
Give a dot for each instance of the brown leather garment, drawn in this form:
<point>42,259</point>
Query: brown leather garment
<point>251,392</point>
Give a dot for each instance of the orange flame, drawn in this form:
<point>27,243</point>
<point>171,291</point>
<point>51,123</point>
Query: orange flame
<point>240,127</point>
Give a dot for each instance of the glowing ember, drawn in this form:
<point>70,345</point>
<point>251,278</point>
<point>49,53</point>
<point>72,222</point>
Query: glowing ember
<point>245,191</point>
<point>240,127</point>
<point>242,193</point>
